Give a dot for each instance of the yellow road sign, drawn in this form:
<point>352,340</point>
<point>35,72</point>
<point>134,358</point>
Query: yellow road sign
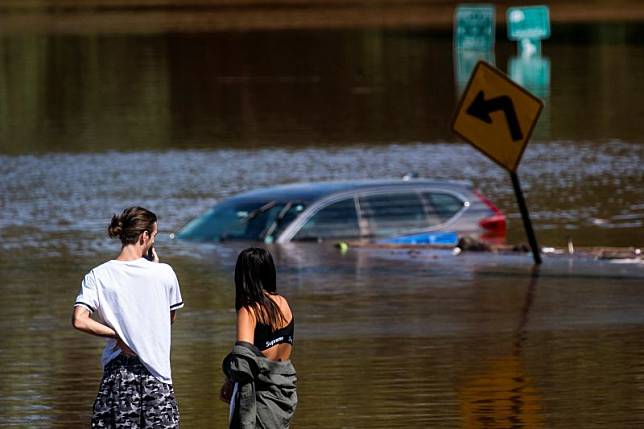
<point>496,115</point>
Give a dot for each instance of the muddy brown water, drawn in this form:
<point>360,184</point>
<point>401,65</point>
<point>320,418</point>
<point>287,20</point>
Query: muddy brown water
<point>384,339</point>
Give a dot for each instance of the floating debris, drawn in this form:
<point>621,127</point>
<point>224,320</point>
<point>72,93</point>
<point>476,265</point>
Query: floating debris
<point>467,244</point>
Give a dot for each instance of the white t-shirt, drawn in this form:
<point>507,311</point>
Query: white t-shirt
<point>135,299</point>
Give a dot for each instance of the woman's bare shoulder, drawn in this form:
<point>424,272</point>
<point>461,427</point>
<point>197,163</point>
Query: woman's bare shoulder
<point>246,313</point>
<point>285,307</point>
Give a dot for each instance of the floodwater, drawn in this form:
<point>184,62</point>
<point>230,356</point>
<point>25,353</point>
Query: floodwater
<point>382,340</point>
<point>91,123</point>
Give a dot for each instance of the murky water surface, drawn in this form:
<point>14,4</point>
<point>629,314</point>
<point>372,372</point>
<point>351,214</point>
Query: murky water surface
<point>90,124</point>
<point>383,339</point>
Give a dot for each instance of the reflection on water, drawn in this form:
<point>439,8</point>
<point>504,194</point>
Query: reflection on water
<point>502,394</point>
<point>289,88</point>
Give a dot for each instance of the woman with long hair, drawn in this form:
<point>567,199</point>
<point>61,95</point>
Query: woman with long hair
<point>260,378</point>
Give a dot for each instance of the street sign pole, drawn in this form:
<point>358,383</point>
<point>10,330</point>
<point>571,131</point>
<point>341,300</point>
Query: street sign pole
<point>527,224</point>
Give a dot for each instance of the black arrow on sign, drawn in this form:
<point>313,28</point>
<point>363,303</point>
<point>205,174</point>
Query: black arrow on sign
<point>481,109</point>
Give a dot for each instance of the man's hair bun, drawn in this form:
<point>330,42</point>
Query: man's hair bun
<point>130,224</point>
<point>116,227</point>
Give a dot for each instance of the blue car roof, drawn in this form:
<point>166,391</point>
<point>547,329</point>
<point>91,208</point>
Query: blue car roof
<point>309,192</point>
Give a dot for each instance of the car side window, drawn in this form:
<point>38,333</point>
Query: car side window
<point>442,206</point>
<point>286,216</point>
<point>393,213</point>
<point>337,220</point>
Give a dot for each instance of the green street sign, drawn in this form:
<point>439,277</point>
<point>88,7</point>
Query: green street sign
<point>531,22</point>
<point>474,27</point>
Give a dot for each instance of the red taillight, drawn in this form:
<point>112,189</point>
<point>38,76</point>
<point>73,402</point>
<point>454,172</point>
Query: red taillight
<point>493,223</point>
<point>496,222</point>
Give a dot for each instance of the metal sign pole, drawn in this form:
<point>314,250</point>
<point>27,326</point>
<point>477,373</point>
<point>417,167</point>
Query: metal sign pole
<point>527,224</point>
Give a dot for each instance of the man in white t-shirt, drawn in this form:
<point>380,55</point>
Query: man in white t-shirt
<point>133,301</point>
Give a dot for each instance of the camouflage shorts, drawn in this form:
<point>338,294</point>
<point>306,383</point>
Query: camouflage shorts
<point>130,397</point>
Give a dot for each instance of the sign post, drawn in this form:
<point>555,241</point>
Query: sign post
<point>527,224</point>
<point>497,117</point>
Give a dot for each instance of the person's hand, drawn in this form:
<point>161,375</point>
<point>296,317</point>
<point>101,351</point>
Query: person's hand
<point>156,256</point>
<point>151,254</point>
<point>125,350</point>
<point>226,391</point>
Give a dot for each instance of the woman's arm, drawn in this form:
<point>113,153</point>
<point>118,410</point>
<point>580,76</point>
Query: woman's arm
<point>245,325</point>
<point>245,332</point>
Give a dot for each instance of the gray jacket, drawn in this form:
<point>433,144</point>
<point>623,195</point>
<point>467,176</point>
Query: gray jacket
<point>266,395</point>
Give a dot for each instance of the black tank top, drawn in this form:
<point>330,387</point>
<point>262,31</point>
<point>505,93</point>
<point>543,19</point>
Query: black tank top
<point>266,338</point>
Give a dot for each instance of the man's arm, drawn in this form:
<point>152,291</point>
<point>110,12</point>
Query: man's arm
<point>82,321</point>
<point>173,316</point>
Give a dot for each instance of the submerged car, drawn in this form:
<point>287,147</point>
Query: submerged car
<point>369,210</point>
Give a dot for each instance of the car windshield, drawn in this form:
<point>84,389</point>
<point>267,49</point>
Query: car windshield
<point>242,220</point>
